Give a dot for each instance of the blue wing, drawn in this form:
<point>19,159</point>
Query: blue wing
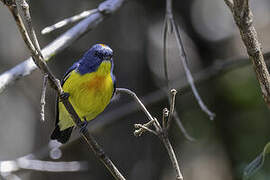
<point>63,136</point>
<point>67,74</point>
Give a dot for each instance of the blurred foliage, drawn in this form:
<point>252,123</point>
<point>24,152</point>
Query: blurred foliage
<point>257,163</point>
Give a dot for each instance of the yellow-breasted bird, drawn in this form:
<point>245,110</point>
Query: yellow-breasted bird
<point>90,84</point>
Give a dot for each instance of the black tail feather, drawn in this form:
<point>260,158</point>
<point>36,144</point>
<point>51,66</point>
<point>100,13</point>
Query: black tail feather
<point>61,136</point>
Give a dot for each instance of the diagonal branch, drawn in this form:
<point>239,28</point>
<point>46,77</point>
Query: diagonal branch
<point>69,20</point>
<point>244,20</point>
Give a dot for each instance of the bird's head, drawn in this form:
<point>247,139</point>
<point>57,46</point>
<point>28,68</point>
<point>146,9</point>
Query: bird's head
<point>99,53</point>
<point>94,57</point>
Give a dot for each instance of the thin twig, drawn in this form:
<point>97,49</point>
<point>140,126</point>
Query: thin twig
<point>68,21</point>
<point>172,103</point>
<point>165,60</point>
<point>168,28</point>
<point>169,17</point>
<point>140,131</point>
<point>165,114</point>
<point>145,128</point>
<point>243,18</point>
<point>181,126</point>
<point>39,61</point>
<point>43,97</point>
<point>188,73</point>
<point>25,9</point>
<point>172,156</point>
<point>135,97</point>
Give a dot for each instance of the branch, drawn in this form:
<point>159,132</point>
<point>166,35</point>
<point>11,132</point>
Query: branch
<point>67,39</point>
<point>172,103</point>
<point>169,21</point>
<point>25,9</point>
<point>39,61</point>
<point>181,126</point>
<point>68,21</point>
<point>26,163</point>
<point>160,131</point>
<point>168,28</point>
<point>43,97</point>
<point>244,20</point>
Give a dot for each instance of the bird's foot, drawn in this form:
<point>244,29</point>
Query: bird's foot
<point>83,126</point>
<point>64,95</point>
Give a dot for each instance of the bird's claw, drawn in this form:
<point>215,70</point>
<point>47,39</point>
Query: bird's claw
<point>64,95</point>
<point>83,126</point>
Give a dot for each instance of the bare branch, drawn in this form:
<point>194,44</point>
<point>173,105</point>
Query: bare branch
<point>172,156</point>
<point>132,94</point>
<point>188,73</point>
<point>165,60</point>
<point>243,18</point>
<point>181,126</point>
<point>68,21</point>
<point>38,165</point>
<point>169,28</point>
<point>170,20</point>
<point>144,128</point>
<point>172,103</point>
<point>25,8</point>
<point>139,131</point>
<point>160,131</point>
<point>165,114</point>
<point>43,97</point>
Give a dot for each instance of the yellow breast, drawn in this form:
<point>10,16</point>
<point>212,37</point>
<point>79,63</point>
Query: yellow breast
<point>89,94</point>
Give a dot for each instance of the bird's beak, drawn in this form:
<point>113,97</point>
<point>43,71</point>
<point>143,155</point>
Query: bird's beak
<point>107,59</point>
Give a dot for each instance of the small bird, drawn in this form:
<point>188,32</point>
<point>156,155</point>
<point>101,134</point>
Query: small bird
<point>90,85</point>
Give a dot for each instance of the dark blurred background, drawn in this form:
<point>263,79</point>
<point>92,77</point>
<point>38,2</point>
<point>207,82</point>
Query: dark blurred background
<point>223,147</point>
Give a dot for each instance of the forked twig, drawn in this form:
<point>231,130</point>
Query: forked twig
<point>160,131</point>
<point>26,12</point>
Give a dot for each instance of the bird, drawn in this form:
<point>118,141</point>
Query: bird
<point>90,86</point>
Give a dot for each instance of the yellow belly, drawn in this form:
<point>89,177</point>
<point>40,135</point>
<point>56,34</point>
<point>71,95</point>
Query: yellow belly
<point>89,95</point>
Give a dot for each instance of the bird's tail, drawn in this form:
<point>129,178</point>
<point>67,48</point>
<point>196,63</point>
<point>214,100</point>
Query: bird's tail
<point>61,136</point>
